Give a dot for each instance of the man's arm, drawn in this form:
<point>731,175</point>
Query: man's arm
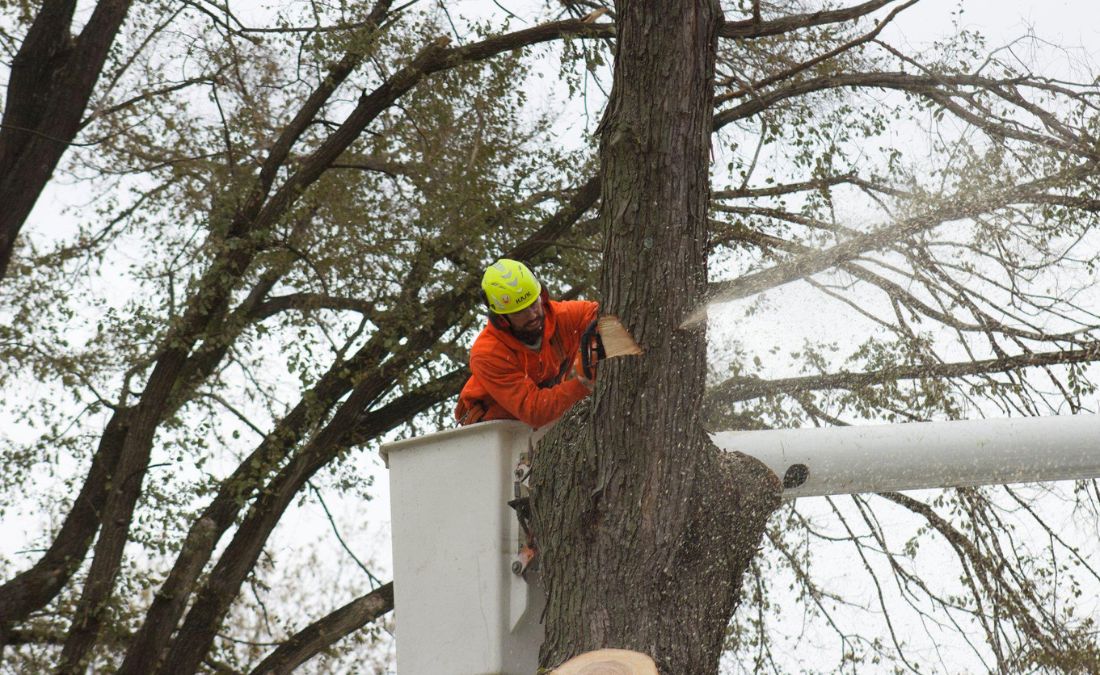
<point>575,315</point>
<point>505,380</point>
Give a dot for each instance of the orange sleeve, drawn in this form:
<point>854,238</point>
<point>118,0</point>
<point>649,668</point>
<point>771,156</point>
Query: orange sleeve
<point>505,380</point>
<point>577,314</point>
<point>573,317</point>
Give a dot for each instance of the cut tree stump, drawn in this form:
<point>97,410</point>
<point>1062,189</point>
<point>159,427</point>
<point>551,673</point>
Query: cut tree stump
<point>608,662</point>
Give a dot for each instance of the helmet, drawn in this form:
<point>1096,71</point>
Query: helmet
<point>509,287</point>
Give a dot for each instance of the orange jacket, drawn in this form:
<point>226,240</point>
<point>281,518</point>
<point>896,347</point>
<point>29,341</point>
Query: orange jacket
<point>513,381</point>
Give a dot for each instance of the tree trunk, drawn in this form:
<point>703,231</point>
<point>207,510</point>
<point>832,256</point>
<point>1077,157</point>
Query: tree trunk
<point>646,528</point>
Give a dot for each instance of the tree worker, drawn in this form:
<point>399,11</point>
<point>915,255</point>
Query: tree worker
<point>524,362</point>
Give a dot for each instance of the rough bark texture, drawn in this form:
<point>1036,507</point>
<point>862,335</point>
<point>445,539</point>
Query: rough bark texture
<point>645,527</point>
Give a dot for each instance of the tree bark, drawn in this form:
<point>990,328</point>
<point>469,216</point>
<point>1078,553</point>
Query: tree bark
<point>52,76</point>
<point>645,528</point>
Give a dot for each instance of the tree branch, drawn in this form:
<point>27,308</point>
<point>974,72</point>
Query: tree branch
<point>32,589</point>
<point>938,88</point>
<point>323,633</point>
<point>820,58</point>
<point>737,389</point>
<point>51,80</point>
<point>812,263</point>
<point>754,28</point>
<point>803,186</point>
<point>309,301</point>
<point>337,73</point>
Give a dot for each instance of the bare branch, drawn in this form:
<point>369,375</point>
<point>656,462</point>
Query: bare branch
<point>804,186</point>
<point>323,633</point>
<point>808,264</point>
<point>819,59</point>
<point>754,28</point>
<point>745,388</point>
<point>304,302</point>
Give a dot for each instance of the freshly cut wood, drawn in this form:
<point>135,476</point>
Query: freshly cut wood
<point>617,340</point>
<point>608,662</point>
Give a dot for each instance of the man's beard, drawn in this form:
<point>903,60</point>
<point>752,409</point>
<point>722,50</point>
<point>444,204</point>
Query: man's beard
<point>529,335</point>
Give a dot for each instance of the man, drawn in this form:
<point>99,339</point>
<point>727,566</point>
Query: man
<point>523,361</point>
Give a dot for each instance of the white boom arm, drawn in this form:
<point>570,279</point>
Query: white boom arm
<point>845,460</point>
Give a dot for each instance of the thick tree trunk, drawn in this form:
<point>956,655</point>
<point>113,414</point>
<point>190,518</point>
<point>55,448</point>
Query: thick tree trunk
<point>645,527</point>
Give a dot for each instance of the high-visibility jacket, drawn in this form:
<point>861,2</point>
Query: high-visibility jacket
<point>512,381</point>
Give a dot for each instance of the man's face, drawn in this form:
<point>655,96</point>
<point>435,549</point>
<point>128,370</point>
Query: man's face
<point>527,324</point>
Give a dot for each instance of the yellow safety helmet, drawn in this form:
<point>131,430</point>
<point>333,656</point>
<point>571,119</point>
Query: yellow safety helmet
<point>509,287</point>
